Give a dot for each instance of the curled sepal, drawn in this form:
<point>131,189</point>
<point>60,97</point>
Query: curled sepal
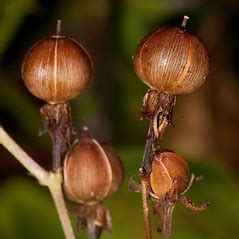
<point>158,108</point>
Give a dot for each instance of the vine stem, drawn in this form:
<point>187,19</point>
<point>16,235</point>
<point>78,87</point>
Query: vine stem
<point>52,180</point>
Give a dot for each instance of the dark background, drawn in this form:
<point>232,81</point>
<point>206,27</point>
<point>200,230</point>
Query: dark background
<point>206,122</point>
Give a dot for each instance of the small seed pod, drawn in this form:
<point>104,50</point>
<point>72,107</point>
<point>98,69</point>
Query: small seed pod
<point>169,170</point>
<point>172,59</point>
<point>91,172</point>
<point>57,69</point>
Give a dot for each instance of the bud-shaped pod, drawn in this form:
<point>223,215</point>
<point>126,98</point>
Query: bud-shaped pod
<point>169,171</point>
<point>90,174</point>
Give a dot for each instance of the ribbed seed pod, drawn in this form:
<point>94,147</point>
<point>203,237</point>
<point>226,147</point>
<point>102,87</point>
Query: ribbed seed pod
<point>172,59</point>
<point>168,169</point>
<point>91,172</point>
<point>116,167</point>
<point>57,69</point>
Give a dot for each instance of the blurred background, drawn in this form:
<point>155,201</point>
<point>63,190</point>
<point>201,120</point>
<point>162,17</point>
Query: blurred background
<point>206,122</point>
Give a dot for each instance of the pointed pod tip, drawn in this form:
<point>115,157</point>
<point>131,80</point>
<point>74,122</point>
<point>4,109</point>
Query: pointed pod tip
<point>85,129</point>
<point>184,22</point>
<point>85,133</point>
<point>58,27</point>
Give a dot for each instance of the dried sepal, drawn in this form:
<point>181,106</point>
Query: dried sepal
<point>158,108</point>
<point>94,217</point>
<point>57,122</point>
<point>150,104</point>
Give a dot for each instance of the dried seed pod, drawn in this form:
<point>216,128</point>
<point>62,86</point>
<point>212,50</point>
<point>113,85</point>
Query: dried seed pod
<point>91,173</point>
<point>168,171</point>
<point>116,166</point>
<point>172,59</point>
<point>57,69</point>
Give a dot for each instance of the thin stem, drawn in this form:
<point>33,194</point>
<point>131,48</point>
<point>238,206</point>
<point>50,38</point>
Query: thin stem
<point>94,230</point>
<point>145,169</point>
<point>144,172</point>
<point>57,195</point>
<point>145,197</point>
<point>51,180</point>
<point>167,220</point>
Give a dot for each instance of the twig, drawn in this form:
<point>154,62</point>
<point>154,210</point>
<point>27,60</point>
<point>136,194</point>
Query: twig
<point>51,180</point>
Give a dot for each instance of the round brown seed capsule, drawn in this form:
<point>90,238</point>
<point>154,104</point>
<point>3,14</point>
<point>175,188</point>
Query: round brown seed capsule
<point>168,169</point>
<point>57,69</point>
<point>172,59</point>
<point>91,172</point>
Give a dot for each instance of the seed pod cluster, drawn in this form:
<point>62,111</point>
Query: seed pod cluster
<point>172,59</point>
<point>91,171</point>
<point>57,69</point>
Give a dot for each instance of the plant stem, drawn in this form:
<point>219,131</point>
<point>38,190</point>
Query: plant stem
<point>167,220</point>
<point>94,230</point>
<point>144,172</point>
<point>51,180</point>
<point>57,195</point>
<point>145,195</point>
